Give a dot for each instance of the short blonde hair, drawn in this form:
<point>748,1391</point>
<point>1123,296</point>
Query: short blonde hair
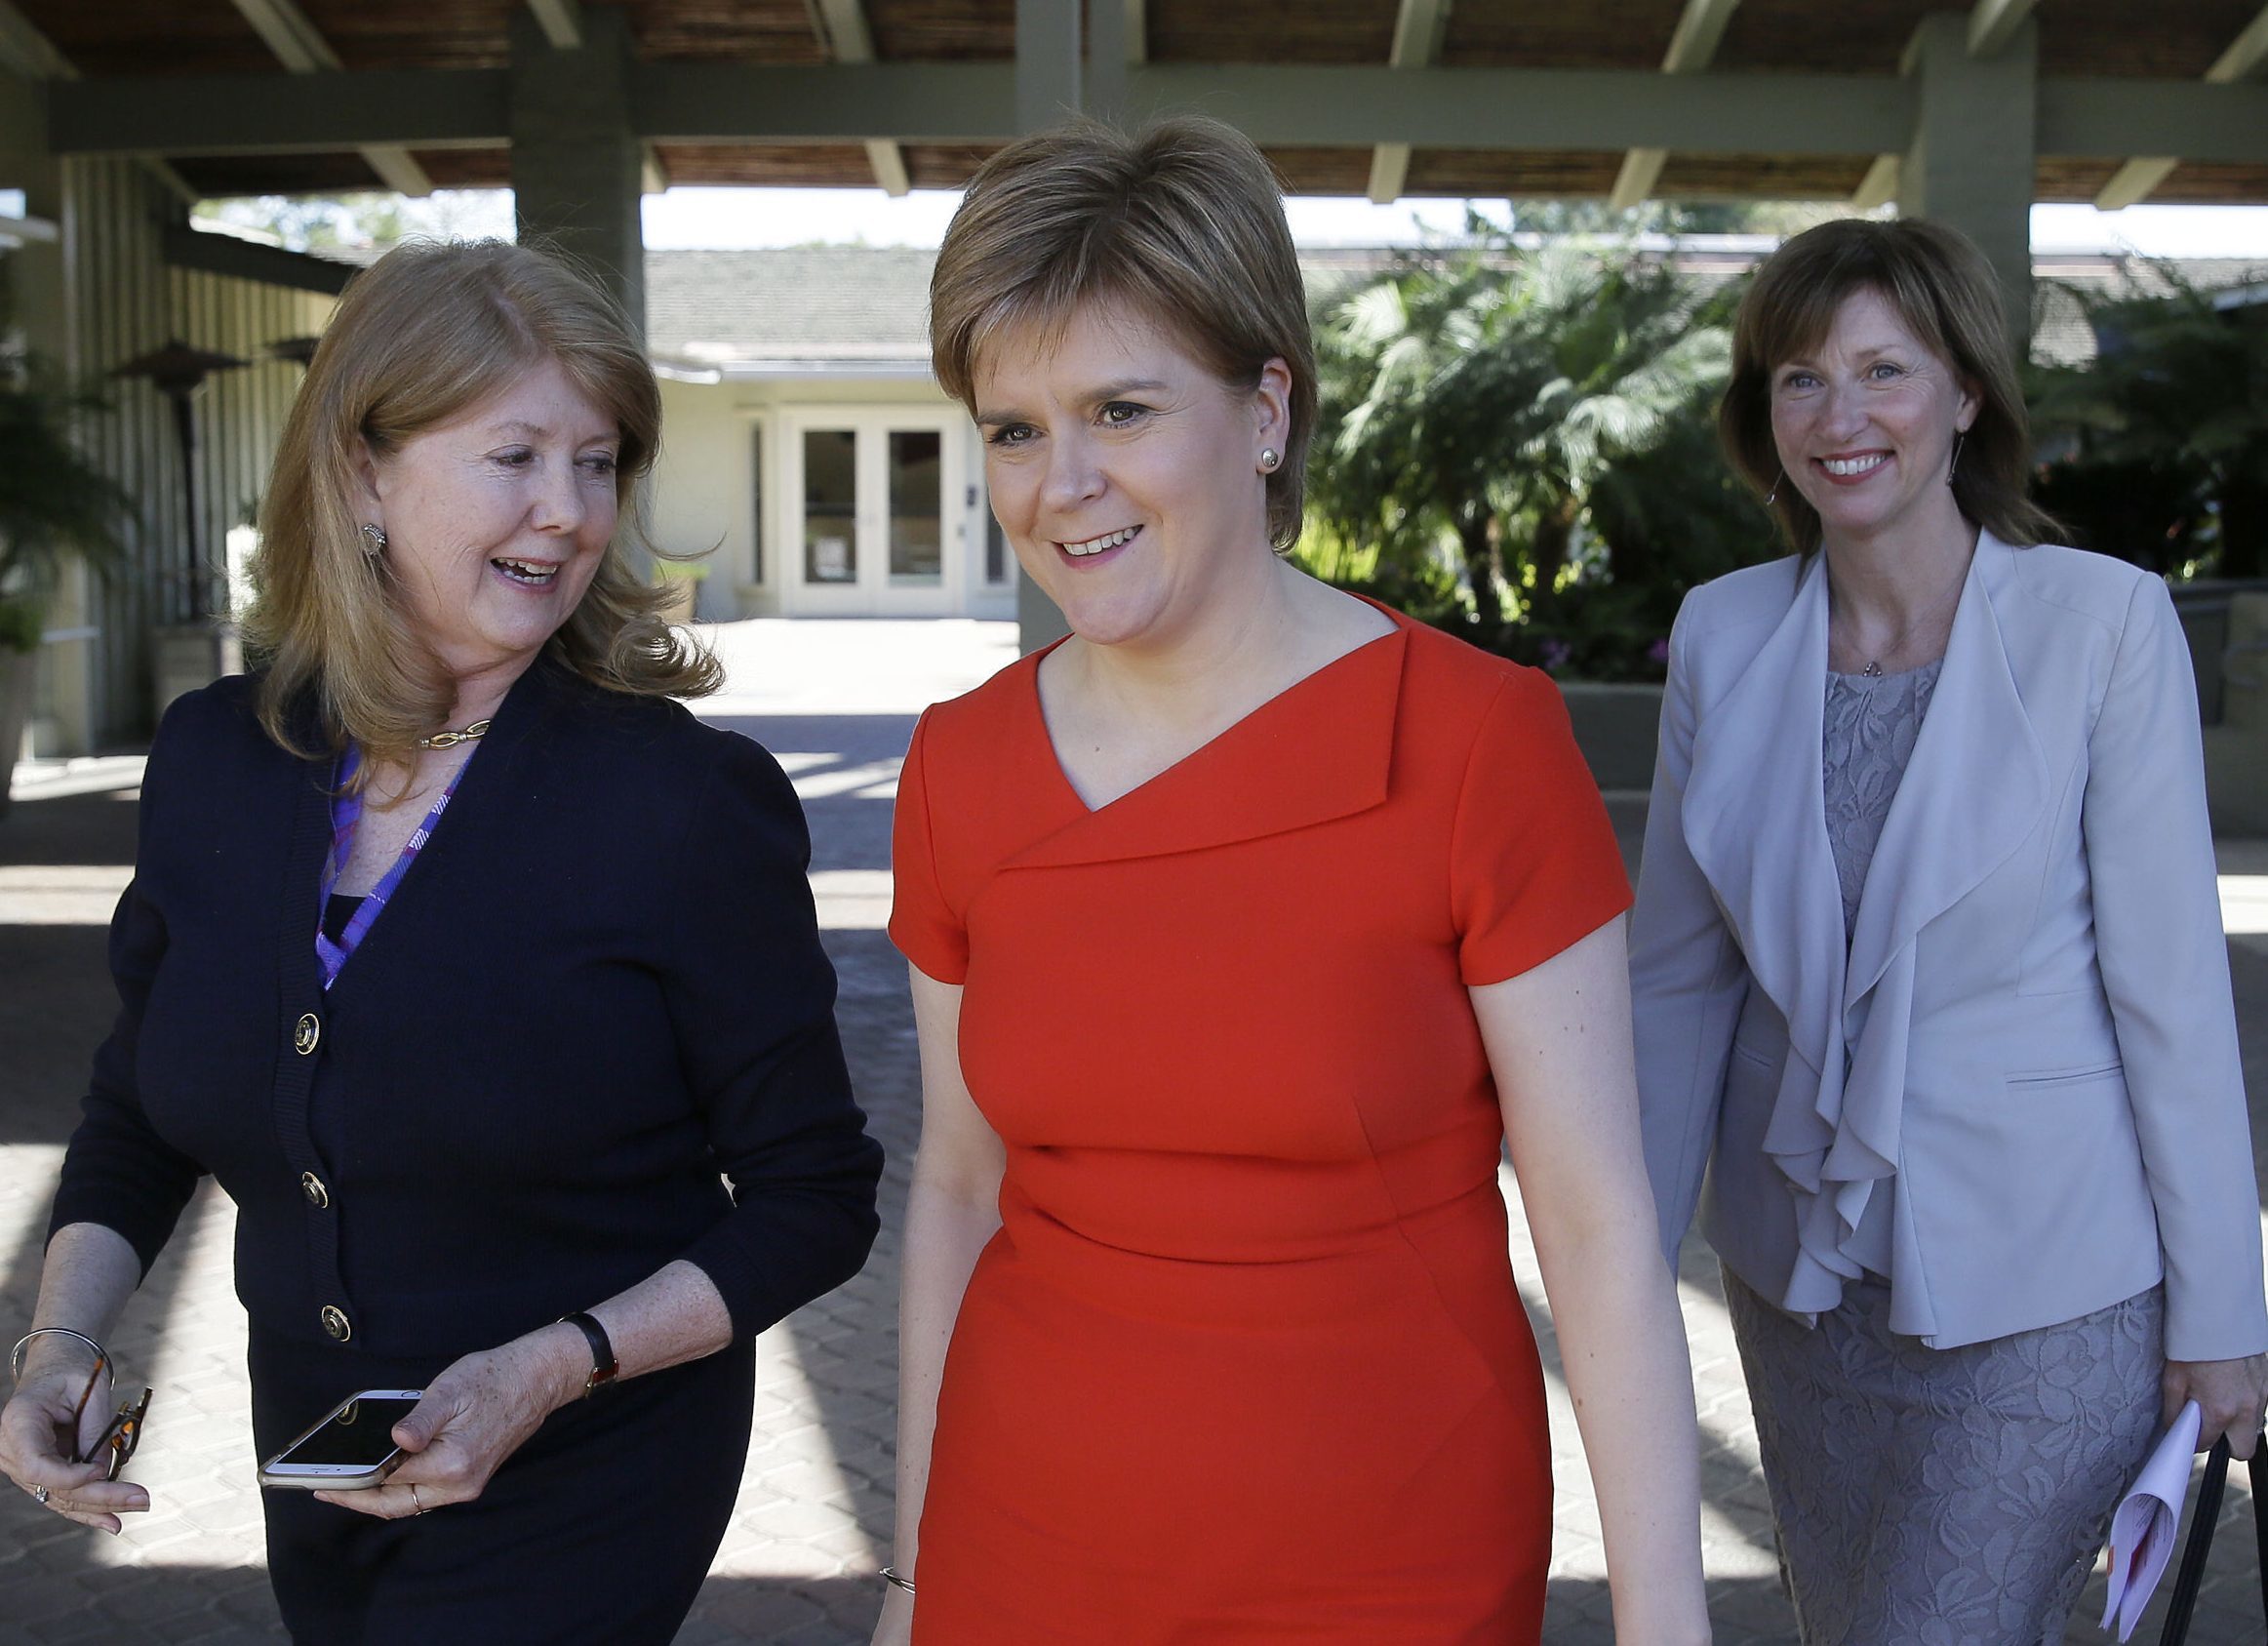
<point>1181,222</point>
<point>1943,291</point>
<point>427,333</point>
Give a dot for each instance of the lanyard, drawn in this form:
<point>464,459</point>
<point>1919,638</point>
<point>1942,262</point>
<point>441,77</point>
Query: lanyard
<point>345,813</point>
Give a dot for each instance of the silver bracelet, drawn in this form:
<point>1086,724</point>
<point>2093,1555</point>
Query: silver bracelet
<point>16,1355</point>
<point>890,1576</point>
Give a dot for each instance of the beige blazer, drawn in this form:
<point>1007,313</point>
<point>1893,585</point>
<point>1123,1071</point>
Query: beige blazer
<point>2029,1047</point>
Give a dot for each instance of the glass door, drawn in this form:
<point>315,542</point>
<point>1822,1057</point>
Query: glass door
<point>830,506</point>
<point>870,490</point>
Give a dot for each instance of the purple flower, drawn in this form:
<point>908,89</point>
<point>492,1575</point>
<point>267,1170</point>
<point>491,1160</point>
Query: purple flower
<point>1555,655</point>
<point>1658,652</point>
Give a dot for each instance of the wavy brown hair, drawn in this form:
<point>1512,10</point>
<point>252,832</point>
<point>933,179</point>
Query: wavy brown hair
<point>1943,291</point>
<point>426,334</point>
<point>1181,222</point>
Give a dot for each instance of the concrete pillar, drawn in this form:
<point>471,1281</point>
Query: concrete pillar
<point>1048,86</point>
<point>1971,166</point>
<point>577,162</point>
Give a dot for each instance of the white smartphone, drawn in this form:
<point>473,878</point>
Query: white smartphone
<point>350,1448</point>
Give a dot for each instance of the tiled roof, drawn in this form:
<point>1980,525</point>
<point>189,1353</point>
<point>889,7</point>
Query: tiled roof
<point>852,309</point>
<point>819,305</point>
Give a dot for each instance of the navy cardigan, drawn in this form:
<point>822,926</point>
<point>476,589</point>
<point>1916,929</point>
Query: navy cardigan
<point>599,986</point>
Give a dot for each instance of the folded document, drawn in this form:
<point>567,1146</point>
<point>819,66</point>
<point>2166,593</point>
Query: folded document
<point>2147,1523</point>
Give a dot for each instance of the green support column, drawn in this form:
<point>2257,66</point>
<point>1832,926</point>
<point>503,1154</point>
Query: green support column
<point>1972,164</point>
<point>1048,86</point>
<point>577,161</point>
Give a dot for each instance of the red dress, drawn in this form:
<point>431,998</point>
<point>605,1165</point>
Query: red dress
<point>1244,1361</point>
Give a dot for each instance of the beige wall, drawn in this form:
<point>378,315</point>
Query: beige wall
<point>704,491</point>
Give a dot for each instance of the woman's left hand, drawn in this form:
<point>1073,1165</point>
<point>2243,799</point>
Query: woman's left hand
<point>2229,1392</point>
<point>474,1415</point>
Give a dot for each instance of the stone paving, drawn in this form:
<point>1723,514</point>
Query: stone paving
<point>836,702</point>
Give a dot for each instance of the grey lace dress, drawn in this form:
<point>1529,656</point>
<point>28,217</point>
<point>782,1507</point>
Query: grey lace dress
<point>1925,1496</point>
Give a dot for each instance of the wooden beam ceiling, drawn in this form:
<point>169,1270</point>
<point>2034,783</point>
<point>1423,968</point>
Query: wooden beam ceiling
<point>1418,29</point>
<point>1993,21</point>
<point>299,46</point>
<point>25,51</point>
<point>1992,24</point>
<point>30,54</point>
<point>561,21</point>
<point>843,30</point>
<point>1790,115</point>
<point>2137,179</point>
<point>1700,28</point>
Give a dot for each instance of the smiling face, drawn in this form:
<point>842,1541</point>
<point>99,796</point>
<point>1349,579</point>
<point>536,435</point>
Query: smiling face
<point>496,523</point>
<point>1125,473</point>
<point>1865,425</point>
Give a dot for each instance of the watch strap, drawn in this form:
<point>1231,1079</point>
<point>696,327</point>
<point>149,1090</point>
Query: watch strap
<point>603,1365</point>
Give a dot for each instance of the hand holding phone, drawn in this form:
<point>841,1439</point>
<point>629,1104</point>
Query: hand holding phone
<point>351,1448</point>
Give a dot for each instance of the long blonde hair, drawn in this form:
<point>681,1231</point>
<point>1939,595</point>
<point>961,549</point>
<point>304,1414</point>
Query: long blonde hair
<point>426,334</point>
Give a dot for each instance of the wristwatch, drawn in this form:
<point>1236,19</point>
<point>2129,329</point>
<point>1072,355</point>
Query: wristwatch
<point>603,1366</point>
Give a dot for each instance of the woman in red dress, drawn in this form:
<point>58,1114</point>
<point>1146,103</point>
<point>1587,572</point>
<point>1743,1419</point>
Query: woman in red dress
<point>1246,925</point>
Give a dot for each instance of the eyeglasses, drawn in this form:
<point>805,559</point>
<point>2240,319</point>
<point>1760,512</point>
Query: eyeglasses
<point>115,1444</point>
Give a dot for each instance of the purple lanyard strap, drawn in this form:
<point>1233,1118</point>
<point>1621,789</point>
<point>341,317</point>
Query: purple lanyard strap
<point>345,813</point>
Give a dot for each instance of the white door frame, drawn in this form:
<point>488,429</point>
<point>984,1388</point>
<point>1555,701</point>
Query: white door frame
<point>873,592</point>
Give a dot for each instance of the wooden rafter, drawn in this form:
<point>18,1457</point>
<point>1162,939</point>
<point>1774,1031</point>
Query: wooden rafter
<point>2137,179</point>
<point>1419,28</point>
<point>843,31</point>
<point>1993,23</point>
<point>1695,42</point>
<point>561,21</point>
<point>26,50</point>
<point>299,46</point>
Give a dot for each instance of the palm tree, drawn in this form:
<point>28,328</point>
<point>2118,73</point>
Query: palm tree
<point>2168,430</point>
<point>55,508</point>
<point>1476,403</point>
<point>55,505</point>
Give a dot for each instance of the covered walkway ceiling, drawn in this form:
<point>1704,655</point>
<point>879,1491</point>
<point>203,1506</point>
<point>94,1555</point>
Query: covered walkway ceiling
<point>1621,99</point>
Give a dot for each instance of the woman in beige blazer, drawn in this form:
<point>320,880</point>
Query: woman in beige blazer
<point>1933,1003</point>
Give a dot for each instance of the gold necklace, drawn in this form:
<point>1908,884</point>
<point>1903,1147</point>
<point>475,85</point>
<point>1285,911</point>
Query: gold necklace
<point>449,740</point>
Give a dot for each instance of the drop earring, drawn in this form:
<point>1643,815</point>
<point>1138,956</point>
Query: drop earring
<point>1771,497</point>
<point>1953,468</point>
<point>374,541</point>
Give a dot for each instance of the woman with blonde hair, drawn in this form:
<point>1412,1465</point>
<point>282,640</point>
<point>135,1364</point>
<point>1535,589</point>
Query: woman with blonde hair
<point>466,961</point>
<point>1246,924</point>
<point>1929,974</point>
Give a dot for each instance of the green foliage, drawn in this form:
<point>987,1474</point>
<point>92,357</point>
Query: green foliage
<point>346,222</point>
<point>1536,424</point>
<point>56,507</point>
<point>21,623</point>
<point>2164,436</point>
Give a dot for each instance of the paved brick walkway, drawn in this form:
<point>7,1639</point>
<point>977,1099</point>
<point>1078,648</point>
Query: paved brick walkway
<point>836,702</point>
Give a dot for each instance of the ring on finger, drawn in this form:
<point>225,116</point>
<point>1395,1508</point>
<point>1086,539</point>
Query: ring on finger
<point>39,1494</point>
<point>416,1506</point>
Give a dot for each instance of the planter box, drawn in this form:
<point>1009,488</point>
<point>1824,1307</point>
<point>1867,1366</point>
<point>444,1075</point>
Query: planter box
<point>1616,727</point>
<point>17,672</point>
